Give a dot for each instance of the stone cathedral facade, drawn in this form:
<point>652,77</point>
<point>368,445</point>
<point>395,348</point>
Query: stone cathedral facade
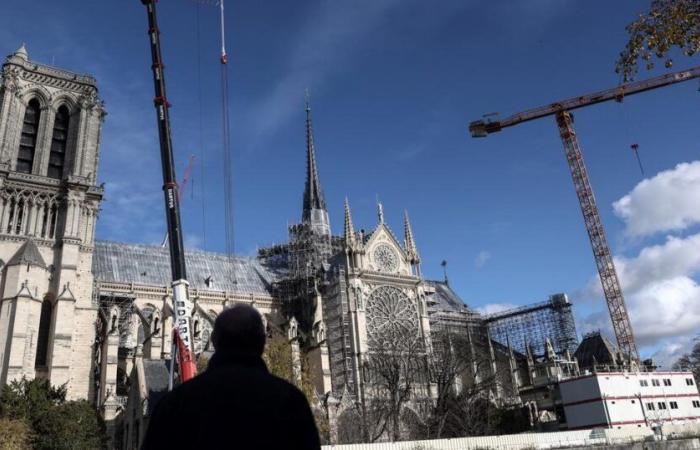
<point>96,315</point>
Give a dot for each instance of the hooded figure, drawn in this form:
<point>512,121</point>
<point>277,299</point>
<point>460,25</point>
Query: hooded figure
<point>236,403</point>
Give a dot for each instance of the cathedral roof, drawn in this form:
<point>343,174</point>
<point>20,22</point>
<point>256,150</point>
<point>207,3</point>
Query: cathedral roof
<point>150,264</point>
<point>445,298</point>
<point>28,253</point>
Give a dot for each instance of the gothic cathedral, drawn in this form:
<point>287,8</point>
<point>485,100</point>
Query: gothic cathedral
<point>96,315</point>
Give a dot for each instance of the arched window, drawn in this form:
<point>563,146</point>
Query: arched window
<point>57,156</point>
<point>42,346</point>
<point>27,143</point>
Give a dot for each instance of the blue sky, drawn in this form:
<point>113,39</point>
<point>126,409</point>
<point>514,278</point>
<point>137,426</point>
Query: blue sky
<point>394,85</point>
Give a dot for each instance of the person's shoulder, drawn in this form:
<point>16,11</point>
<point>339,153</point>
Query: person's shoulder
<point>285,386</point>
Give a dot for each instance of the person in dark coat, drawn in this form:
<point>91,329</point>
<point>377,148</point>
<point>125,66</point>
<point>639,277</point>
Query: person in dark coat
<point>236,403</point>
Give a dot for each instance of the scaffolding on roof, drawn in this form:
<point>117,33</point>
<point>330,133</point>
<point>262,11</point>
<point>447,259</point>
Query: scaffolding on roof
<point>529,326</point>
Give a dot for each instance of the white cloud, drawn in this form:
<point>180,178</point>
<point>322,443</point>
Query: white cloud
<point>661,295</point>
<point>660,283</point>
<point>331,34</point>
<point>669,201</point>
<point>672,350</point>
<point>493,308</point>
<point>482,258</point>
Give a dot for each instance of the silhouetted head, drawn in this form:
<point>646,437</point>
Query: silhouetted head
<point>239,330</point>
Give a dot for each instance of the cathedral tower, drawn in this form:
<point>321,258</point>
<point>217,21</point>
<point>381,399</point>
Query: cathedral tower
<point>50,122</point>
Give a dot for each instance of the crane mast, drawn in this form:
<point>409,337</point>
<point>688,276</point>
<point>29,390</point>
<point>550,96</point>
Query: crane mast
<point>596,233</point>
<point>182,307</point>
<point>584,191</point>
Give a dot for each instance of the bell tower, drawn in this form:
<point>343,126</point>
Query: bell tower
<point>50,122</point>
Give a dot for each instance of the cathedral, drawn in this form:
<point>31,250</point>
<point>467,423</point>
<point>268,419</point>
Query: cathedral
<point>96,316</point>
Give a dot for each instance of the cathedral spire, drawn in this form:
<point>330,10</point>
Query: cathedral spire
<point>349,229</point>
<point>313,195</point>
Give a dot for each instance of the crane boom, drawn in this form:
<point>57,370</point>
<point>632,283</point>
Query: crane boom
<point>481,128</point>
<point>182,306</point>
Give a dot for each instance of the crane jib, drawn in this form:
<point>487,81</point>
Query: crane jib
<point>481,128</point>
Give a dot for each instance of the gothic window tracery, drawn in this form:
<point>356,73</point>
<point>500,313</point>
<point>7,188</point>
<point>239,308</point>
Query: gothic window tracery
<point>385,257</point>
<point>392,317</point>
<point>28,138</point>
<point>59,141</point>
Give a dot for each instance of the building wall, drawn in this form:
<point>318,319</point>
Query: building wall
<point>622,400</point>
<point>59,215</point>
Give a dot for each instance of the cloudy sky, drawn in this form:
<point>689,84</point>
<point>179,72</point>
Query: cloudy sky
<point>394,85</point>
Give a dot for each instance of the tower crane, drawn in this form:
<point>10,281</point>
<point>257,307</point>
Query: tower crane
<point>561,110</point>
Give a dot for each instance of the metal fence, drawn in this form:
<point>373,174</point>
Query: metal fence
<point>556,440</point>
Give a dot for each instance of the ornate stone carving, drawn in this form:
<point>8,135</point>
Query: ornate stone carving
<point>391,317</point>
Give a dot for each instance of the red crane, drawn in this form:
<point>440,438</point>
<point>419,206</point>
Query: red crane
<point>591,216</point>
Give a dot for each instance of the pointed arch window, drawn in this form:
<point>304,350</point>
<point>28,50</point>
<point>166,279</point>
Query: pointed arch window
<point>42,346</point>
<point>57,156</point>
<point>27,143</point>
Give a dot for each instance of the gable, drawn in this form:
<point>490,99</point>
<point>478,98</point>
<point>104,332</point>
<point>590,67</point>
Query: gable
<point>384,253</point>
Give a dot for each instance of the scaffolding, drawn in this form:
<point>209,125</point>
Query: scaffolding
<point>306,255</point>
<point>530,325</point>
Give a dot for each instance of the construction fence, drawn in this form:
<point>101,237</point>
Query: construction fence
<point>556,440</point>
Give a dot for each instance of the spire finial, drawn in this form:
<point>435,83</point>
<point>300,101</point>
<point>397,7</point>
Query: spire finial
<point>22,52</point>
<point>313,195</point>
<point>444,269</point>
<point>349,233</point>
<point>380,211</point>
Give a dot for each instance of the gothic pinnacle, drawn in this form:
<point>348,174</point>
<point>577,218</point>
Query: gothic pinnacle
<point>380,212</point>
<point>409,243</point>
<point>349,229</point>
<point>22,52</point>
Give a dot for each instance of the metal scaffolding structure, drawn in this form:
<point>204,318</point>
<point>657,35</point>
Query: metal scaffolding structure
<point>530,325</point>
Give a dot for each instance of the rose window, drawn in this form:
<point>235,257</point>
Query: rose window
<point>385,258</point>
<point>391,316</point>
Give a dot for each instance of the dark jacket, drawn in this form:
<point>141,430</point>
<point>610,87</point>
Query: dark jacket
<point>235,404</point>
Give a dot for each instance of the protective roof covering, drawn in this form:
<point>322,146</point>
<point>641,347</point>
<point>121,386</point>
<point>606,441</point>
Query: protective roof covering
<point>28,253</point>
<point>150,265</point>
<point>445,298</point>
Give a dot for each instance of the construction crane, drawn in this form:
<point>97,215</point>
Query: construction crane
<point>561,110</point>
<point>182,307</point>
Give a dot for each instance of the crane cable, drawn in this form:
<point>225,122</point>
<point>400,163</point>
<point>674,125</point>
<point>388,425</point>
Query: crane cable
<point>201,132</point>
<point>226,132</point>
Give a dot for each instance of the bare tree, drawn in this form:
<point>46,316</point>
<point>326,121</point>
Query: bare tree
<point>690,362</point>
<point>668,25</point>
<point>395,372</point>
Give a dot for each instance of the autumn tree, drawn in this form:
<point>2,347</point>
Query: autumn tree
<point>668,26</point>
<point>279,360</point>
